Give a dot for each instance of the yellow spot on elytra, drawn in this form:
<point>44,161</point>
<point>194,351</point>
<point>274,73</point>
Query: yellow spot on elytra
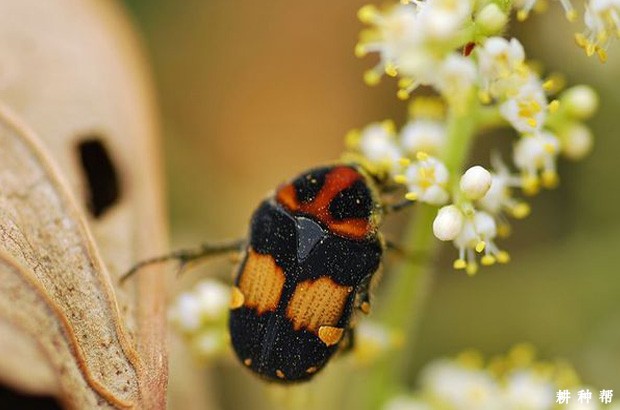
<point>247,362</point>
<point>460,264</point>
<point>365,308</point>
<point>236,298</point>
<point>280,374</point>
<point>311,370</point>
<point>480,246</point>
<point>330,335</point>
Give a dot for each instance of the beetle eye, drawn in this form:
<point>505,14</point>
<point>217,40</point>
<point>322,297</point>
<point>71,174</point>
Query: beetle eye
<point>352,203</point>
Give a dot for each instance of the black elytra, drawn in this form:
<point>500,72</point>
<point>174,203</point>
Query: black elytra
<point>318,230</point>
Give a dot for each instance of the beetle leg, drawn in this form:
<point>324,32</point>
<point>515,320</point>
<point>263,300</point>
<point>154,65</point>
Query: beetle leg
<point>185,256</point>
<point>348,341</point>
<point>362,301</point>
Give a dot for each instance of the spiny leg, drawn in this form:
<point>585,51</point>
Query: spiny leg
<point>185,256</point>
<point>397,206</point>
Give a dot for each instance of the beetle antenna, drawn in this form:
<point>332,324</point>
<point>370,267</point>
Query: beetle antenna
<point>185,256</point>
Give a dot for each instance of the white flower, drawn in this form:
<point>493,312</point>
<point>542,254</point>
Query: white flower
<point>475,182</point>
<point>527,110</point>
<point>602,20</point>
<point>209,343</point>
<point>186,313</point>
<point>207,303</point>
<point>499,197</point>
<point>448,223</point>
<point>501,67</point>
<point>372,341</point>
<point>455,386</point>
<point>528,390</point>
<point>426,180</point>
<point>525,6</point>
<point>477,236</point>
<point>395,30</point>
<point>423,135</point>
<point>537,152</point>
<point>454,78</point>
<point>442,19</point>
<point>378,145</point>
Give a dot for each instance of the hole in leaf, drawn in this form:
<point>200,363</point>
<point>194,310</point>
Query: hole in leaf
<point>101,176</point>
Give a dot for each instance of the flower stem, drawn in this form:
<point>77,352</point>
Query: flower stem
<point>402,302</point>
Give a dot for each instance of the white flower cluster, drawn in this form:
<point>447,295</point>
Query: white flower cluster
<point>418,41</point>
<point>514,382</point>
<point>200,316</point>
<point>601,19</point>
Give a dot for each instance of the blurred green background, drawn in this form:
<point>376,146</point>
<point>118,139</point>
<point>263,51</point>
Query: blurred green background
<point>253,92</point>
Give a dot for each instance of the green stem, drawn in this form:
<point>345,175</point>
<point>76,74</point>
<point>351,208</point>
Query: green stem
<point>406,292</point>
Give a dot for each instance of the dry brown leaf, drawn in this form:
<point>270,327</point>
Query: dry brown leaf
<point>55,287</point>
<point>73,70</point>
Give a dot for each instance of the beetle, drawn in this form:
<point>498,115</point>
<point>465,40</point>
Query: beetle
<point>312,253</point>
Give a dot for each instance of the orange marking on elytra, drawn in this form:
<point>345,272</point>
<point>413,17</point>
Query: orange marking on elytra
<point>337,180</point>
<point>317,303</point>
<point>261,282</point>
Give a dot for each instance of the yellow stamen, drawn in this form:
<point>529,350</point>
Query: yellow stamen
<point>488,260</point>
<point>389,126</point>
<point>503,230</point>
<point>503,257</point>
<point>571,15</point>
<point>531,185</point>
<point>554,106</point>
<point>403,162</point>
<point>484,97</point>
<point>602,55</point>
<point>472,268</point>
<point>367,14</point>
<point>360,50</point>
<point>402,94</point>
<point>460,264</point>
<point>372,77</point>
<point>521,15</point>
<point>411,196</point>
<point>390,69</point>
<point>480,246</point>
<point>521,210</point>
<point>550,179</point>
<point>352,139</point>
<point>421,156</point>
<point>400,179</point>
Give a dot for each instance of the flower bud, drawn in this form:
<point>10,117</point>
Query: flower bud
<point>448,223</point>
<point>475,182</point>
<point>580,101</point>
<point>491,19</point>
<point>576,141</point>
